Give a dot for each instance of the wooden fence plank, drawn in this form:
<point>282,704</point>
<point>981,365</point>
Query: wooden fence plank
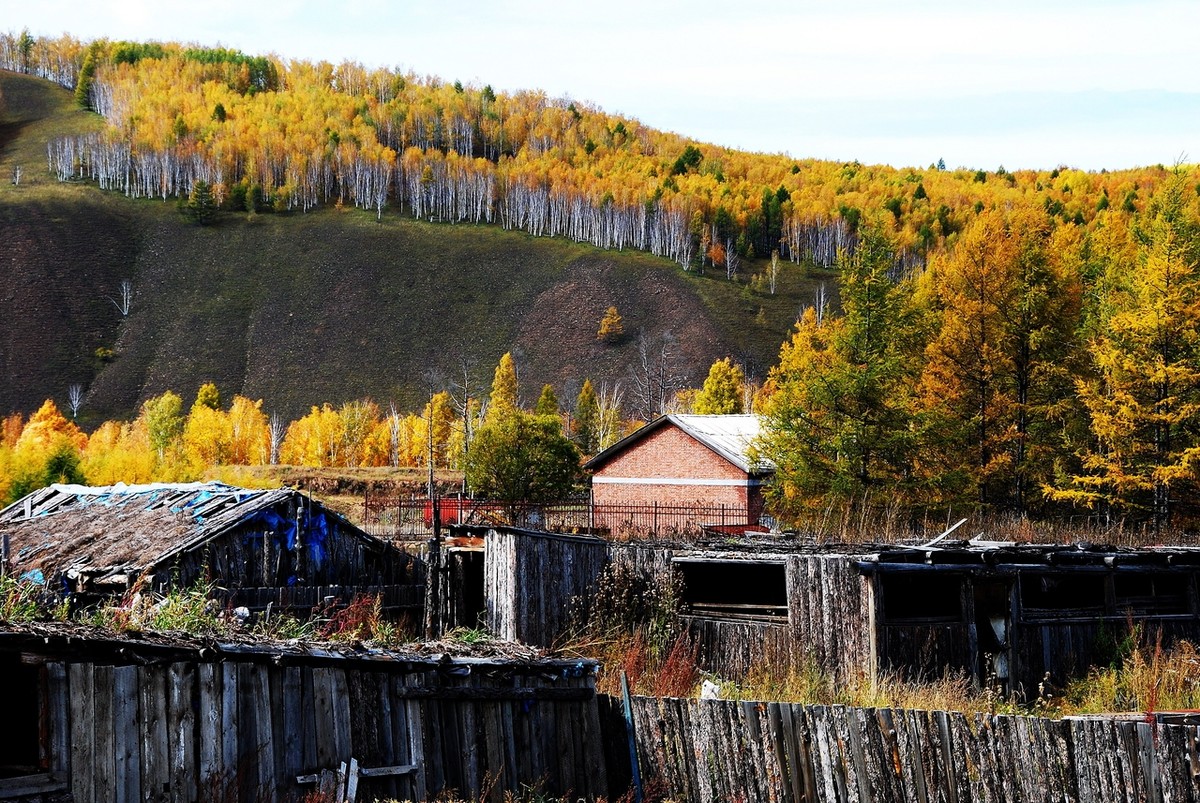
<point>210,757</point>
<point>266,729</point>
<point>126,744</point>
<point>229,730</point>
<point>155,747</point>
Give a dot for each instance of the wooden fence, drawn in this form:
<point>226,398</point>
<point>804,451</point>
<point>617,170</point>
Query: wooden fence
<point>144,721</point>
<point>719,750</point>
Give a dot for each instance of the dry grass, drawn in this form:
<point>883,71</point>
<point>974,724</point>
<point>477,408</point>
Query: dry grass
<point>865,522</point>
<point>1149,679</point>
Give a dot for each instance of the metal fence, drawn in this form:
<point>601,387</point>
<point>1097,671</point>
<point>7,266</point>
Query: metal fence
<point>408,516</point>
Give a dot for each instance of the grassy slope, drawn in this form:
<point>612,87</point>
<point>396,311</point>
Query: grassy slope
<point>327,306</point>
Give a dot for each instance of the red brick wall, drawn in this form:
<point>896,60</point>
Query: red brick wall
<point>669,453</point>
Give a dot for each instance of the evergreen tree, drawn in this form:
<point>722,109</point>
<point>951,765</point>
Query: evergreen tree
<point>87,74</point>
<point>586,424</point>
<point>208,396</point>
<point>521,458</point>
<point>201,207</point>
<point>722,391</point>
<point>838,422</point>
<point>547,403</point>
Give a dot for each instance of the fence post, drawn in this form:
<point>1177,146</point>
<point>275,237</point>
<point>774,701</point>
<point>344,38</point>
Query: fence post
<point>633,755</point>
<point>654,520</point>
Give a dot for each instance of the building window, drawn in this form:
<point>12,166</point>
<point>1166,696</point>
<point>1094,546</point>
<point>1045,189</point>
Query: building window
<point>1046,594</point>
<point>922,597</point>
<point>1152,593</point>
<point>735,589</point>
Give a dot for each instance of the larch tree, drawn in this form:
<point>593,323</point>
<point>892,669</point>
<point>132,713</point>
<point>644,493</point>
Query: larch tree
<point>585,424</point>
<point>503,399</point>
<point>838,417</point>
<point>1144,404</point>
<point>1005,314</point>
<point>612,328</point>
<point>722,391</point>
<point>547,403</point>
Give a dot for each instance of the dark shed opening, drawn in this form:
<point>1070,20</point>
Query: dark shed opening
<point>742,589</point>
<point>929,596</point>
<point>1152,593</point>
<point>22,751</point>
<point>1052,594</point>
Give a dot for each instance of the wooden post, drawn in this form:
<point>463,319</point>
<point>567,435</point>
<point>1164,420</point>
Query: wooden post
<point>4,555</point>
<point>633,756</point>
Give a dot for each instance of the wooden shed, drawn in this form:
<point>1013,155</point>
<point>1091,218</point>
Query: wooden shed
<point>705,463</point>
<point>95,716</point>
<point>276,547</point>
<point>1001,613</point>
<point>519,584</point>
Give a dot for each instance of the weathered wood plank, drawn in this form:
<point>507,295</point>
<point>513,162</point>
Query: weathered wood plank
<point>155,746</point>
<point>126,729</point>
<point>59,721</point>
<point>325,728</point>
<point>266,730</point>
<point>340,699</point>
<point>210,756</point>
<point>182,731</point>
<point>229,727</point>
<point>86,724</point>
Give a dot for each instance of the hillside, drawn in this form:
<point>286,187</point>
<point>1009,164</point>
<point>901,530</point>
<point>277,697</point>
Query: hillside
<point>327,305</point>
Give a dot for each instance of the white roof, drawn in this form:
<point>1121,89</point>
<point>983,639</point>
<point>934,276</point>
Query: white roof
<point>734,437</point>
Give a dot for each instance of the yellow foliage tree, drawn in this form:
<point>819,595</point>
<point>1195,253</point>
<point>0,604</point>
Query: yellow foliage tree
<point>249,433</point>
<point>314,440</point>
<point>722,391</point>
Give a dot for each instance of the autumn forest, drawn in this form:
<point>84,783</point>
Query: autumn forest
<point>1025,342</point>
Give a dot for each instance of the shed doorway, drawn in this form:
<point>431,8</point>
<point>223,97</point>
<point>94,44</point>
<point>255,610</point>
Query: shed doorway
<point>993,629</point>
<point>22,751</point>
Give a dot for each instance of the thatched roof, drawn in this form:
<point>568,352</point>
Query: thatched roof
<point>122,529</point>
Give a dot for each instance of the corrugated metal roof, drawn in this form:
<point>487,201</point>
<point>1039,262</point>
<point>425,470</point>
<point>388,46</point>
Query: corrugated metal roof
<point>123,527</point>
<point>733,437</point>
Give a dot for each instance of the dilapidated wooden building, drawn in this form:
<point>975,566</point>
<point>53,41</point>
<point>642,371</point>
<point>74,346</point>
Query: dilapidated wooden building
<point>93,715</point>
<point>519,584</point>
<point>1007,614</point>
<point>273,547</point>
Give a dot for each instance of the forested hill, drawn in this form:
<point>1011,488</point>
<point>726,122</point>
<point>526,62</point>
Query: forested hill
<point>329,305</point>
<point>267,132</point>
<point>295,296</point>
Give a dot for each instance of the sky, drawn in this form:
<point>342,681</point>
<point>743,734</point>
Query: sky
<point>1090,84</point>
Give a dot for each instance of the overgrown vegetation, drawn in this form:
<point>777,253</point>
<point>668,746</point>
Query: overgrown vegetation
<point>631,626</point>
<point>198,611</point>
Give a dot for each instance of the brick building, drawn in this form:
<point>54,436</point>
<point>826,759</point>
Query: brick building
<point>700,462</point>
